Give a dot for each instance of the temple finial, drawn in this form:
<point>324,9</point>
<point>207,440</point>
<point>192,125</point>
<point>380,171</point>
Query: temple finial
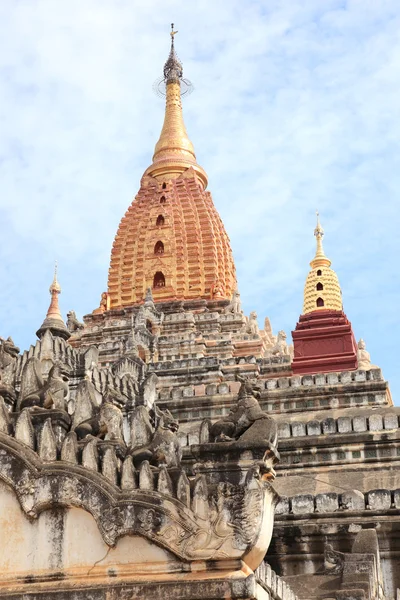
<point>173,71</point>
<point>54,321</point>
<point>55,286</point>
<point>319,260</point>
<point>174,153</point>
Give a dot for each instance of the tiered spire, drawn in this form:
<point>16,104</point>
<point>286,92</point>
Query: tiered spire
<point>322,289</point>
<point>319,260</point>
<point>323,339</point>
<point>54,321</point>
<point>174,152</point>
<point>171,239</point>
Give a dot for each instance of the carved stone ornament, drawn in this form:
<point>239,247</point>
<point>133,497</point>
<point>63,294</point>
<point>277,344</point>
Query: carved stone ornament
<point>202,523</point>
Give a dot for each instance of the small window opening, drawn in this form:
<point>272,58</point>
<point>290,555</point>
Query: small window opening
<point>159,280</point>
<point>159,248</point>
<point>162,200</point>
<point>319,272</point>
<point>320,302</point>
<point>164,186</point>
<point>149,326</point>
<point>160,221</point>
<point>320,286</point>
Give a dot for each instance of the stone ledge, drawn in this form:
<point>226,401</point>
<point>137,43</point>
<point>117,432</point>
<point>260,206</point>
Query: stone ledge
<point>380,500</point>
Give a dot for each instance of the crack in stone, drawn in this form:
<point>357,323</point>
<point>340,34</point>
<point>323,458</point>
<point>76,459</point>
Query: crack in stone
<point>99,561</point>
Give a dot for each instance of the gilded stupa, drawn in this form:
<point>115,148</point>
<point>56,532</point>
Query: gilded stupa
<point>322,288</point>
<point>171,238</point>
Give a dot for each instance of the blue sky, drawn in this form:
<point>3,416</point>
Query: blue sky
<point>296,107</point>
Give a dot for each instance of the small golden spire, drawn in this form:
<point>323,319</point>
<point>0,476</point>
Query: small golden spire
<point>322,289</point>
<point>319,260</point>
<point>174,152</point>
<point>54,321</point>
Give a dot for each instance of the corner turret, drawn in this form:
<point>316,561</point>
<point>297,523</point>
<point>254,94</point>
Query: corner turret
<point>54,321</point>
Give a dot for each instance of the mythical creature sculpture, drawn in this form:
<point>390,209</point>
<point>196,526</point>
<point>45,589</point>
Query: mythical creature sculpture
<point>35,391</point>
<point>72,322</point>
<point>252,325</point>
<point>8,361</point>
<point>163,447</point>
<point>235,305</point>
<point>110,422</point>
<point>7,392</point>
<point>247,421</point>
<point>281,347</point>
<point>96,415</point>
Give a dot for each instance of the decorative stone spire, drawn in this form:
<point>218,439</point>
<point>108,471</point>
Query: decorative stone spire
<point>322,289</point>
<point>54,321</point>
<point>174,152</point>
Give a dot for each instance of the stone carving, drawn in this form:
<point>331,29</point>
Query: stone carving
<point>269,337</point>
<point>217,290</point>
<point>148,299</point>
<point>162,445</point>
<point>333,560</point>
<point>8,361</point>
<point>247,421</point>
<point>7,392</point>
<point>194,520</point>
<point>280,348</point>
<point>235,305</point>
<point>110,422</point>
<point>363,356</point>
<point>52,393</point>
<point>96,415</point>
<point>72,322</point>
<point>8,352</point>
<point>131,346</point>
<point>252,325</point>
<point>104,304</point>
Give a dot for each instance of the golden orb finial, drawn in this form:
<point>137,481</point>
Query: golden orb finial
<point>174,152</point>
<point>322,289</point>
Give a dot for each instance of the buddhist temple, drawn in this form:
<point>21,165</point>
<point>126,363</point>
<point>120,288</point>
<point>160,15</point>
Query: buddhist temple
<point>166,446</point>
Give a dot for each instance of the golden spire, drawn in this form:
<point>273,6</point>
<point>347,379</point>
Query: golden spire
<point>319,260</point>
<point>174,152</point>
<point>322,289</point>
<point>54,320</point>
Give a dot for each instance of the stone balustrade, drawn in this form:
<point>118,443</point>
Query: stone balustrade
<point>274,585</point>
<point>352,500</point>
<point>345,424</point>
<point>324,379</point>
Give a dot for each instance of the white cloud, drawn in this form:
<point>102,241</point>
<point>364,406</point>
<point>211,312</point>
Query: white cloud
<point>296,107</point>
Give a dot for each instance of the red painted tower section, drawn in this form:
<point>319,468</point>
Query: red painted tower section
<point>324,341</point>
